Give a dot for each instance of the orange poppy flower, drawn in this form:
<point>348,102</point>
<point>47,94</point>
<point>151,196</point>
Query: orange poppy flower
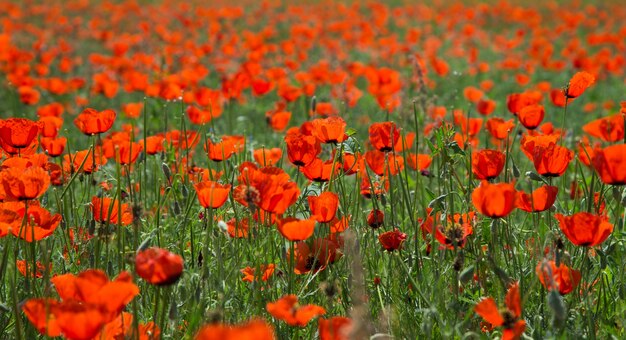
<point>320,171</point>
<point>469,127</point>
<point>266,272</point>
<point>314,258</point>
<point>40,223</point>
<point>375,219</point>
<point>92,122</point>
<point>18,133</point>
<point>384,164</point>
<point>106,210</point>
<point>212,194</point>
<point>494,200</point>
<point>301,149</point>
<point>375,187</point>
<point>268,188</point>
<point>383,136</point>
<point>24,184</point>
<point>585,229</point>
<point>515,102</point>
<point>158,266</point>
<point>453,232</point>
<point>329,130</point>
<point>579,83</point>
<point>294,314</point>
<point>335,328</point>
<point>485,106</point>
<point>127,152</point>
<point>610,163</point>
<point>251,330</point>
<point>557,96</point>
<point>53,147</point>
<point>609,129</point>
<point>487,164</point>
<point>541,199</point>
<point>531,116</point>
<point>28,95</point>
<point>238,229</point>
<point>551,160</point>
<point>419,162</point>
<point>392,240</point>
<point>499,128</point>
<point>324,207</point>
<point>72,163</point>
<point>278,120</point>
<point>153,144</point>
<point>510,318</point>
<point>472,94</point>
<point>227,147</point>
<point>561,278</point>
<point>294,229</point>
<point>268,157</point>
<point>352,163</point>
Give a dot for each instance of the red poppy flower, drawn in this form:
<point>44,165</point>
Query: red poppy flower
<point>510,318</point>
<point>609,129</point>
<point>238,229</point>
<point>84,161</point>
<point>106,210</point>
<point>153,144</point>
<point>453,232</point>
<point>40,222</point>
<point>561,278</point>
<point>92,122</point>
<point>315,257</point>
<point>579,83</point>
<point>469,127</point>
<point>392,240</point>
<point>279,120</point>
<point>127,152</point>
<point>212,194</point>
<point>329,130</point>
<point>24,184</point>
<point>266,271</point>
<point>294,229</point>
<point>515,102</point>
<point>585,229</point>
<point>324,207</point>
<point>499,128</point>
<point>558,97</point>
<point>335,328</point>
<point>268,188</point>
<point>18,133</point>
<point>531,116</point>
<point>227,147</point>
<point>302,149</point>
<point>550,160</point>
<point>494,200</point>
<point>487,164</point>
<point>383,136</point>
<point>53,147</point>
<point>384,164</point>
<point>375,219</point>
<point>24,267</point>
<point>288,310</point>
<point>419,162</point>
<point>28,95</point>
<point>485,106</point>
<point>320,171</point>
<point>252,330</point>
<point>610,163</point>
<point>268,157</point>
<point>158,266</point>
<point>541,199</point>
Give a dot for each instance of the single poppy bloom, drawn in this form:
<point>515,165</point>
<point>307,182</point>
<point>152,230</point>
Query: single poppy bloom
<point>392,240</point>
<point>557,96</point>
<point>383,136</point>
<point>499,128</point>
<point>50,126</point>
<point>107,210</point>
<point>40,222</point>
<point>238,229</point>
<point>28,95</point>
<point>320,171</point>
<point>515,102</point>
<point>24,184</point>
<point>329,130</point>
<point>293,314</point>
<point>585,229</point>
<point>53,147</point>
<point>451,233</point>
<point>84,161</point>
<point>24,267</point>
<point>268,157</point>
<point>158,266</point>
<point>469,127</point>
<point>540,200</point>
<point>212,194</point>
<point>561,278</point>
<point>294,229</point>
<point>279,120</point>
<point>609,129</point>
<point>579,83</point>
<point>268,188</point>
<point>510,318</point>
<point>551,160</point>
<point>335,328</point>
<point>302,150</point>
<point>531,116</point>
<point>352,163</point>
<point>610,163</point>
<point>494,200</point>
<point>485,106</point>
<point>374,187</point>
<point>309,258</point>
<point>227,147</point>
<point>255,329</point>
<point>324,207</point>
<point>266,271</point>
<point>153,144</point>
<point>19,133</point>
<point>419,162</point>
<point>487,164</point>
<point>472,94</point>
<point>384,164</point>
<point>127,152</point>
<point>375,218</point>
<point>92,122</point>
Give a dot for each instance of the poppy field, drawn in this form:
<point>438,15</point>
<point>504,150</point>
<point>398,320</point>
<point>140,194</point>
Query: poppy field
<point>315,170</point>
